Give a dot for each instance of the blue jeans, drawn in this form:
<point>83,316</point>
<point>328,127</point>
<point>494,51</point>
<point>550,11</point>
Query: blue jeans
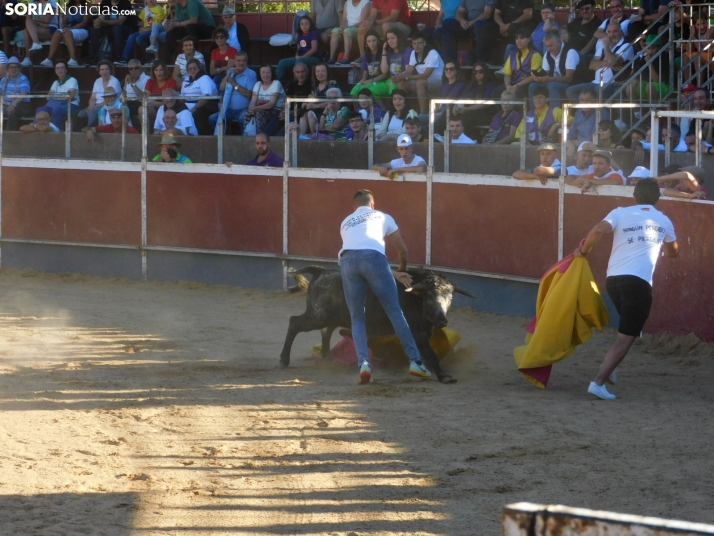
<point>231,114</point>
<point>366,267</point>
<point>157,30</point>
<point>556,91</point>
<point>142,38</point>
<point>57,110</point>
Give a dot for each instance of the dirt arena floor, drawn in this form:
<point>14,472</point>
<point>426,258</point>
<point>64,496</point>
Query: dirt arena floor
<point>133,408</point>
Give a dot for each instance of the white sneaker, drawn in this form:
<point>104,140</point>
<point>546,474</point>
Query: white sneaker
<point>26,62</point>
<point>35,46</point>
<point>72,63</point>
<point>600,391</point>
<point>47,62</point>
<point>152,49</point>
<point>612,380</point>
<point>365,373</point>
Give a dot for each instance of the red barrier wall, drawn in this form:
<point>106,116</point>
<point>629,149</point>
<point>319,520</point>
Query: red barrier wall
<point>318,206</point>
<point>497,229</point>
<point>215,211</point>
<point>71,205</point>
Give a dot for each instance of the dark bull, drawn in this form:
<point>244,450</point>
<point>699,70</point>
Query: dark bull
<point>425,306</point>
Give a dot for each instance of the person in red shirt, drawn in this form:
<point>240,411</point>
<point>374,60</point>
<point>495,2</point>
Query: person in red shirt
<point>113,128</point>
<point>222,57</point>
<point>603,173</point>
<point>385,15</point>
<point>160,80</point>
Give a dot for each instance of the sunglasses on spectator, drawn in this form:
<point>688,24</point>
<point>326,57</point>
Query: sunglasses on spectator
<point>478,71</point>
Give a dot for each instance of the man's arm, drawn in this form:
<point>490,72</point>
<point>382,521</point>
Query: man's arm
<point>593,237</point>
<point>393,16</point>
<point>671,192</point>
<point>419,168</point>
<point>396,239</point>
<point>383,169</point>
<point>671,249</point>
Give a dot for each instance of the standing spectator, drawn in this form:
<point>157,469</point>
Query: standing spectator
<point>481,86</point>
<point>559,64</point>
<point>542,123</point>
<point>395,59</point>
<point>184,119</point>
<point>456,131</point>
<point>513,15</point>
<point>355,12</point>
<point>267,100</point>
<point>603,173</point>
<point>222,57</point>
<point>238,36</point>
<point>424,72</point>
<point>42,124</point>
<point>393,123</point>
<point>547,13</point>
<point>105,81</point>
<point>504,124</point>
<point>583,160</point>
<point>582,29</point>
<point>265,157</point>
<point>326,15</point>
<point>150,15</point>
<point>39,28</point>
<point>63,86</point>
<point>10,25</point>
<point>155,86</point>
<point>237,88</point>
<point>198,85</point>
<point>549,166</point>
<point>472,17</point>
<point>158,31</point>
<point>189,45</point>
<point>169,151</point>
<point>617,14</point>
<point>407,163</point>
<point>74,29</point>
<point>307,48</point>
<point>521,65</point>
<point>134,86</point>
<point>387,15</point>
<point>15,83</point>
<point>192,18</point>
<point>371,66</point>
<point>120,27</point>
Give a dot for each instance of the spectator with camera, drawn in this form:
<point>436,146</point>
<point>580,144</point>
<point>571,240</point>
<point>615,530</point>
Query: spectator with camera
<point>170,151</point>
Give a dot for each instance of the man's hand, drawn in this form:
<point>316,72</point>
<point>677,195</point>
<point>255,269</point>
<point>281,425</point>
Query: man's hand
<point>578,252</point>
<point>229,164</point>
<point>697,195</point>
<point>403,277</point>
<point>639,153</point>
<point>504,28</point>
<point>90,136</point>
<point>364,26</point>
<point>382,171</point>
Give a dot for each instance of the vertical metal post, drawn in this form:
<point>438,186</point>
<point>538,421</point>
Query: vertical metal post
<point>370,136</point>
<point>220,131</point>
<point>144,161</point>
<point>429,182</point>
<point>68,129</point>
<point>523,135</point>
<point>2,131</point>
<point>286,137</point>
<point>667,144</point>
<point>123,126</point>
<point>447,143</point>
<point>561,180</point>
<point>294,139</point>
<point>286,176</point>
<point>654,149</point>
<point>698,142</point>
<point>672,45</point>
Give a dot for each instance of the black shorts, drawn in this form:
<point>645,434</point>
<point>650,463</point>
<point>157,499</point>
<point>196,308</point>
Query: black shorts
<point>632,297</point>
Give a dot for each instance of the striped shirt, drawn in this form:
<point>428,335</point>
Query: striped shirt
<point>18,85</point>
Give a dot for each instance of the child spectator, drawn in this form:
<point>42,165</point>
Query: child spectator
<point>150,15</point>
<point>307,48</point>
<point>158,31</point>
<point>357,130</point>
<point>371,68</point>
<point>504,124</point>
<point>393,123</point>
<point>542,123</point>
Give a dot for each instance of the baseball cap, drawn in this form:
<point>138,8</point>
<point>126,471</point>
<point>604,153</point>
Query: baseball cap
<point>640,172</point>
<point>584,3</point>
<point>689,87</point>
<point>672,168</point>
<point>228,10</point>
<point>587,146</point>
<point>546,147</point>
<point>13,59</point>
<point>404,140</point>
<point>604,154</point>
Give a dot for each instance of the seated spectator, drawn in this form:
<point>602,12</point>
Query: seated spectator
<point>222,57</point>
<point>113,25</point>
<point>512,16</point>
<point>171,121</point>
<point>357,127</point>
<point>198,85</point>
<point>638,173</point>
<point>267,100</point>
<point>189,45</point>
<point>300,86</point>
<point>701,103</point>
<point>456,131</point>
<point>393,123</point>
<point>371,68</point>
<point>650,85</point>
<point>687,183</point>
<point>111,102</point>
<point>39,28</point>
<point>582,29</point>
<point>696,55</point>
<point>105,81</point>
<point>559,65</point>
<point>424,72</point>
<point>549,166</point>
<point>603,173</point>
<point>503,126</point>
<point>42,124</point>
<point>413,128</point>
<point>320,84</point>
<point>169,151</point>
<point>583,127</point>
<point>452,87</point>
<point>473,17</point>
<point>185,122</point>
<point>150,15</point>
<point>354,13</point>
<point>74,29</point>
<point>609,136</point>
<point>333,120</point>
<point>407,163</point>
<point>63,86</point>
<point>265,157</point>
<point>114,126</point>
<point>395,60</point>
<point>155,86</point>
<point>134,86</point>
<point>237,88</point>
<point>542,123</point>
<point>677,143</point>
<point>15,83</point>
<point>192,19</point>
<point>617,14</point>
<point>387,15</point>
<point>10,25</point>
<point>238,36</point>
<point>521,65</point>
<point>610,54</point>
<point>583,160</point>
<point>366,99</point>
<point>158,31</point>
<point>307,49</point>
<point>548,25</point>
<point>326,15</point>
<point>481,86</point>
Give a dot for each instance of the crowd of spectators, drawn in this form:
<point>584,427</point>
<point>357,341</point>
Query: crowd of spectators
<point>400,67</point>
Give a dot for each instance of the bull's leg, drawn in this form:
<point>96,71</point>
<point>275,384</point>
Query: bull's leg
<point>432,361</point>
<point>326,336</point>
<point>298,324</point>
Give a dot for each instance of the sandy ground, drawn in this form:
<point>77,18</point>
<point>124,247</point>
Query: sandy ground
<point>158,408</point>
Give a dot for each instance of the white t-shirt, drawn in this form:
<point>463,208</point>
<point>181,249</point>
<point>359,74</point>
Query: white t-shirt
<point>612,174</point>
<point>141,84</point>
<point>400,163</point>
<point>637,239</point>
<point>184,121</point>
<point>462,139</point>
<point>3,58</point>
<point>432,60</point>
<point>572,170</point>
<point>98,88</point>
<point>572,58</point>
<point>606,73</point>
<point>181,61</point>
<point>63,89</point>
<point>197,89</point>
<point>264,95</point>
<point>366,228</point>
<point>354,13</point>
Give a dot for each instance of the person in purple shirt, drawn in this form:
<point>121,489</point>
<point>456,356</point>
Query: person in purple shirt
<point>265,156</point>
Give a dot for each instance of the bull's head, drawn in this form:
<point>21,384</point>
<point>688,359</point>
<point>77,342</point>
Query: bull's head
<point>437,293</point>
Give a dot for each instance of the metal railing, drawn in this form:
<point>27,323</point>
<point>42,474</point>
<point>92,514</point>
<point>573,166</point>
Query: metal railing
<point>657,115</point>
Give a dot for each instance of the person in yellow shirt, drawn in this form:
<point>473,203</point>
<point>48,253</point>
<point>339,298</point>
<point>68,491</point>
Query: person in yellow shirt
<point>542,123</point>
<point>521,65</point>
<point>150,15</point>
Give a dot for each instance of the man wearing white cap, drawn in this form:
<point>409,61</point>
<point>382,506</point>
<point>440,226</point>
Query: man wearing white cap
<point>583,160</point>
<point>549,166</point>
<point>407,163</point>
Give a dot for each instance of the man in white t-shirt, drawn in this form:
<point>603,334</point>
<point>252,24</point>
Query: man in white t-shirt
<point>640,232</point>
<point>603,173</point>
<point>363,264</point>
<point>425,71</point>
<point>583,161</point>
<point>408,163</point>
<point>456,131</point>
<point>549,166</point>
<point>559,65</point>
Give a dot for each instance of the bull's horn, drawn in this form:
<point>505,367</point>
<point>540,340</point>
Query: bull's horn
<point>462,291</point>
<point>418,286</point>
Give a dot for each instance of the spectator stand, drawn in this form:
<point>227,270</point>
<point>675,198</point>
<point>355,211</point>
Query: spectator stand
<point>669,115</point>
<point>68,123</point>
<point>698,66</point>
<point>435,103</point>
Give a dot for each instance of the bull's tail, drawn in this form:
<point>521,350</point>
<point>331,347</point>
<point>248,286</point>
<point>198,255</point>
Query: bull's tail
<point>301,280</point>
